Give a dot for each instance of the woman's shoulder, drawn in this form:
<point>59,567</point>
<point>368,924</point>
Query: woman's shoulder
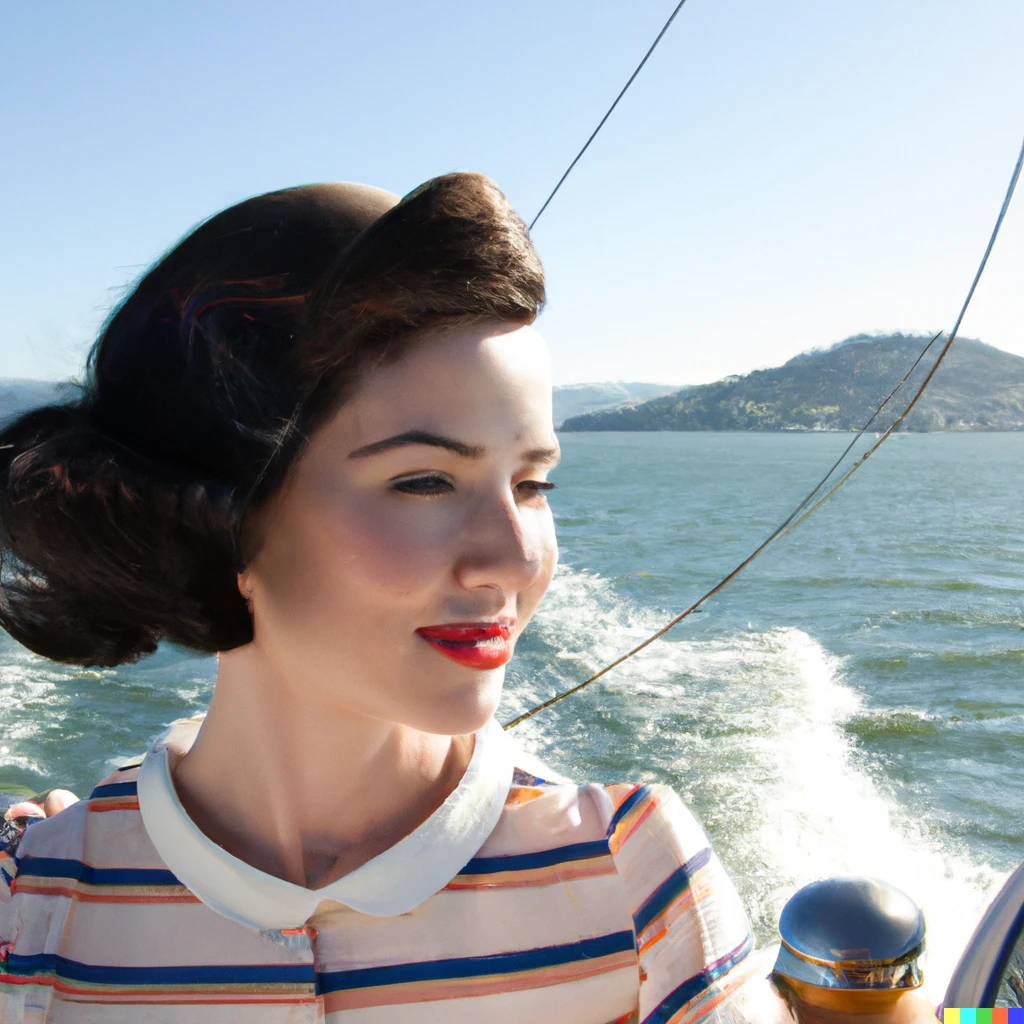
<point>545,799</point>
<point>689,926</point>
<point>546,813</point>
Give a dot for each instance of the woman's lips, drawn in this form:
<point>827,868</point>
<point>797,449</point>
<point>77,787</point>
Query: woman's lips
<point>479,645</point>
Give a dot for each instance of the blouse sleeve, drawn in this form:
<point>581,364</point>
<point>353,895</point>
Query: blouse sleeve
<point>691,930</point>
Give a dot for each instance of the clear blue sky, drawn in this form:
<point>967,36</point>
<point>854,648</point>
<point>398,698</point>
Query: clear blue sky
<point>782,174</point>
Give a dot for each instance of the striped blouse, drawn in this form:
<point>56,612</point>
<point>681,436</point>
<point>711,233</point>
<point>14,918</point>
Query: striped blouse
<point>520,900</point>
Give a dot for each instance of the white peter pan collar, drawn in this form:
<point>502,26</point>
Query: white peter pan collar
<point>394,882</point>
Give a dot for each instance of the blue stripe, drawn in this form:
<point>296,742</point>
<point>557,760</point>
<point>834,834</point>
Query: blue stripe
<point>675,884</point>
<point>244,974</point>
<point>115,789</point>
<point>53,867</point>
<point>626,806</point>
<point>476,966</point>
<point>690,989</point>
<point>6,877</point>
<point>542,859</point>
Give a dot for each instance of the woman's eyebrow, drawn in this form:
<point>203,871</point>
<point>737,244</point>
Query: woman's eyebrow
<point>543,456</point>
<point>469,451</point>
<point>538,456</point>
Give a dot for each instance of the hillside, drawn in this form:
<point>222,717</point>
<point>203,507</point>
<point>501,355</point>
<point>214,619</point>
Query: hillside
<point>978,387</point>
<point>576,399</point>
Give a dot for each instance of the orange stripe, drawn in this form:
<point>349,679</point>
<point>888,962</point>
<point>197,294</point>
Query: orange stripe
<point>117,805</point>
<point>643,947</point>
<point>84,896</point>
<point>705,1008</point>
<point>684,902</point>
<point>620,841</point>
<point>522,795</point>
<point>539,877</point>
<point>467,988</point>
<point>88,995</point>
<point>622,791</point>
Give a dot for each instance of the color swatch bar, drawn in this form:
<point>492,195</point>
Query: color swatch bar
<point>951,1015</point>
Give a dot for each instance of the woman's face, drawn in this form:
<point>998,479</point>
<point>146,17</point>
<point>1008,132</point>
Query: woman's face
<point>413,542</point>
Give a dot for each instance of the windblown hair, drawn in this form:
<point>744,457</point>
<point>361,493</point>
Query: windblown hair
<point>122,512</point>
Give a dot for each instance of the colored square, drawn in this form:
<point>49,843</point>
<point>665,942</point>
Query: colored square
<point>950,1015</point>
<point>967,1015</point>
<point>1015,1015</point>
<point>999,1015</point>
<point>983,1016</point>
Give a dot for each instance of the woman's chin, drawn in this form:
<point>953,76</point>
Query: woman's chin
<point>464,709</point>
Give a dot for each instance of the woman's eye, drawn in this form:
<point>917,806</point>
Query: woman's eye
<point>424,485</point>
<point>532,487</point>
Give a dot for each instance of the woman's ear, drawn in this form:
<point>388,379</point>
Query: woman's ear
<point>245,584</point>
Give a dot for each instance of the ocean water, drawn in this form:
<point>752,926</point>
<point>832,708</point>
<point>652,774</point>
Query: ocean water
<point>853,703</point>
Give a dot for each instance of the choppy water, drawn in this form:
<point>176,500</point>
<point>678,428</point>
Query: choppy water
<point>853,703</point>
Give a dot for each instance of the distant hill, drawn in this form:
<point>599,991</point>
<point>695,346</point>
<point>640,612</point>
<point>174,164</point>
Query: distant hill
<point>18,395</point>
<point>576,399</point>
<point>978,387</point>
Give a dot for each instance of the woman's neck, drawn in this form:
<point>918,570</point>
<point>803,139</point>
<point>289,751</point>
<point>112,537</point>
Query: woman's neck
<point>302,791</point>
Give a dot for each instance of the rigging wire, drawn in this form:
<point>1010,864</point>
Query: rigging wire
<point>608,113</point>
<point>805,509</point>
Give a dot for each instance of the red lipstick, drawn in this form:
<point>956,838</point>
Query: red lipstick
<point>479,645</point>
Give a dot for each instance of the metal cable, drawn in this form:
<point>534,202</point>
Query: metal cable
<point>593,134</point>
<point>802,511</point>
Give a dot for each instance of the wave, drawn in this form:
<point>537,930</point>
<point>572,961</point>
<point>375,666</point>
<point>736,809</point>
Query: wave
<point>757,731</point>
<point>957,617</point>
<point>62,724</point>
<point>982,658</point>
<point>902,723</point>
<point>847,582</point>
<point>899,722</point>
<point>937,661</point>
<point>28,700</point>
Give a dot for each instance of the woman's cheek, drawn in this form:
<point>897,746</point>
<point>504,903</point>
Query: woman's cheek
<point>544,542</point>
<point>398,549</point>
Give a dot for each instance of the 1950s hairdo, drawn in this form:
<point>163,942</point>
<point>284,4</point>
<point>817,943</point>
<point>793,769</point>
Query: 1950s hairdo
<point>122,512</point>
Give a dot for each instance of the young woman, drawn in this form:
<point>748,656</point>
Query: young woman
<point>315,441</point>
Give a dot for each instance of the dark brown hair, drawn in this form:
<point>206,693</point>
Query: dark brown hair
<point>122,512</point>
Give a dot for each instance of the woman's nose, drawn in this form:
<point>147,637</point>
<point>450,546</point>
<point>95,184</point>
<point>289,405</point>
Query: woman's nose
<point>502,547</point>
